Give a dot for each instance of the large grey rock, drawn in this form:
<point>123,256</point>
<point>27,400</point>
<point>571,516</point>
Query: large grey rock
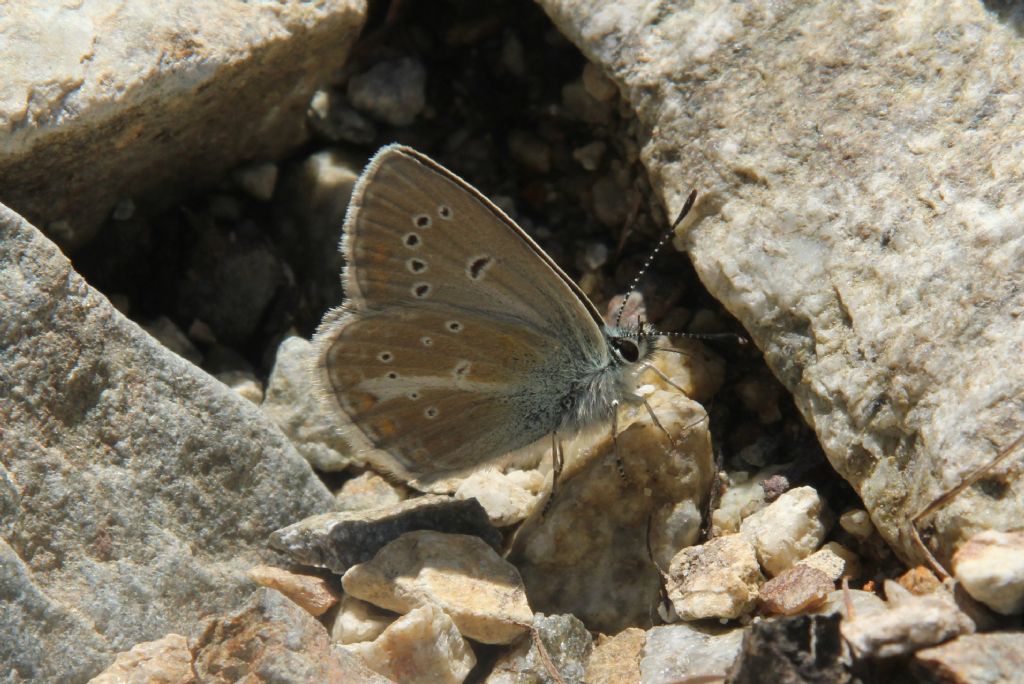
<point>862,200</point>
<point>135,490</point>
<point>106,100</point>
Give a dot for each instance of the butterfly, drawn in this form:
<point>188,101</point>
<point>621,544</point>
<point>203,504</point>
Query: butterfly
<point>461,341</point>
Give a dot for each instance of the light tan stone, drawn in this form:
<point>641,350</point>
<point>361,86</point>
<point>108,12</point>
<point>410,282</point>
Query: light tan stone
<point>482,592</point>
<point>791,528</point>
<point>574,558</point>
<point>358,621</point>
<point>501,495</point>
<point>616,660</point>
<point>367,491</point>
<point>718,579</point>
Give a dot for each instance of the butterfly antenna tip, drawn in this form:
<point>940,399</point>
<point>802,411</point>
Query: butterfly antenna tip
<point>687,206</point>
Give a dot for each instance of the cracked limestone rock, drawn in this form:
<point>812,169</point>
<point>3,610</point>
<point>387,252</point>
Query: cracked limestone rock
<point>861,197</point>
<point>574,558</point>
<point>124,99</point>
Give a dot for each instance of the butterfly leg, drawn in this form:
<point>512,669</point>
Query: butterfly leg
<point>657,423</point>
<point>615,442</point>
<point>557,462</point>
<point>660,374</point>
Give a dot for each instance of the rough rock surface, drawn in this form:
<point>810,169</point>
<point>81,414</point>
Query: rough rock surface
<point>602,527</point>
<point>796,590</point>
<point>991,568</point>
<point>790,651</point>
<point>164,661</point>
<point>868,239</point>
<point>910,623</point>
<point>135,490</point>
<point>508,498</point>
<point>359,621</point>
<point>790,529</point>
<point>367,491</point>
<point>295,406</point>
<point>125,99</point>
<point>974,659</point>
<point>616,660</point>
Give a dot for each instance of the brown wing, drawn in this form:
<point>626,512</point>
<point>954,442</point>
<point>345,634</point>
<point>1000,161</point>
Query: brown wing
<point>429,257</point>
<point>432,394</point>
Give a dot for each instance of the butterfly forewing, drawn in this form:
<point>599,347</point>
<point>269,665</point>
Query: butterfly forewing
<point>421,235</point>
<point>454,322</point>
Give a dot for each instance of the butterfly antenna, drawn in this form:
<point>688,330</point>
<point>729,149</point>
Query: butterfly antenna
<point>661,243</point>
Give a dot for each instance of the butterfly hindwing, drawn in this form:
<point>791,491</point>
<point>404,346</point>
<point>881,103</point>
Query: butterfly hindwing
<point>429,390</point>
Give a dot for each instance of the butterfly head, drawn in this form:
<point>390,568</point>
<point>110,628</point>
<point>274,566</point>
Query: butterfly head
<point>631,344</point>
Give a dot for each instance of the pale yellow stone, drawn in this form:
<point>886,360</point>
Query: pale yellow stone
<point>421,647</point>
<point>358,621</point>
<point>616,660</point>
<point>991,568</point>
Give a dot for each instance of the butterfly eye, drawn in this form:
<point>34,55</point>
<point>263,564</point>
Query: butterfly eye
<point>628,349</point>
